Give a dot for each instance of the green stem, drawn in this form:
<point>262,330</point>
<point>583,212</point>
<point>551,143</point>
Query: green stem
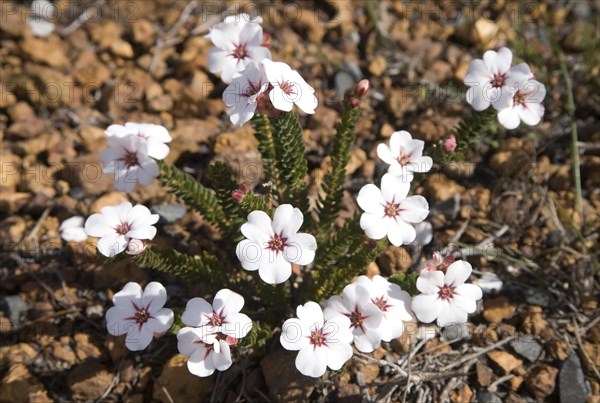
<point>334,180</point>
<point>263,131</point>
<point>573,125</point>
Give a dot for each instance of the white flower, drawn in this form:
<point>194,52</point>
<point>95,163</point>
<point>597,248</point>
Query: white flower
<point>139,314</point>
<point>237,43</point>
<point>446,297</point>
<point>364,315</point>
<point>392,301</point>
<point>289,88</point>
<point>127,158</point>
<point>323,339</point>
<point>424,231</point>
<point>525,105</point>
<point>272,246</point>
<point>117,226</point>
<point>71,229</point>
<point>404,155</point>
<point>388,211</point>
<point>491,80</point>
<point>211,330</point>
<point>155,136</point>
<point>243,93</point>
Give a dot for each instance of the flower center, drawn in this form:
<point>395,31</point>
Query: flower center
<point>277,243</point>
<point>403,159</point>
<point>123,228</point>
<point>141,316</point>
<point>287,87</point>
<point>216,319</point>
<point>318,338</point>
<point>519,98</point>
<point>356,318</point>
<point>130,159</point>
<point>391,209</point>
<point>239,52</point>
<point>498,80</point>
<point>381,303</point>
<point>446,292</point>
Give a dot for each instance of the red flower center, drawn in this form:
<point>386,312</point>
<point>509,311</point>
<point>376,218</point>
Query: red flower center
<point>123,228</point>
<point>318,338</point>
<point>446,292</point>
<point>391,209</point>
<point>356,318</point>
<point>403,159</point>
<point>519,98</point>
<point>277,243</point>
<point>498,80</point>
<point>381,303</point>
<point>239,51</point>
<point>130,159</point>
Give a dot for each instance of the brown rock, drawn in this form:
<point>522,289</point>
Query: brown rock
<point>180,384</point>
<point>122,49</point>
<point>161,103</point>
<point>93,138</point>
<point>10,203</point>
<point>48,51</point>
<point>366,373</point>
<point>438,71</point>
<point>461,395</point>
<point>116,347</point>
<point>484,32</point>
<point>16,353</point>
<point>485,375</point>
<point>514,157</point>
<point>106,33</point>
<point>21,111</point>
<point>89,380</point>
<point>12,229</point>
<point>62,352</point>
<point>439,187</point>
<point>533,321</point>
<point>284,381</point>
<point>504,360</point>
<point>541,381</point>
<point>357,158</point>
<point>377,66</point>
<point>109,199</point>
<point>53,89</point>
<point>20,386</point>
<point>558,349</point>
<point>495,310</point>
<point>85,348</point>
<point>143,33</point>
<point>394,260</point>
<point>90,72</point>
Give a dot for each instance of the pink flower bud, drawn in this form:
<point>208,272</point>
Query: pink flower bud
<point>237,195</point>
<point>354,102</point>
<point>266,40</point>
<point>244,187</point>
<point>362,88</point>
<point>449,144</point>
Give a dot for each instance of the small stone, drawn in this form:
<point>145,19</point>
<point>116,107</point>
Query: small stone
<point>394,260</point>
<point>122,49</point>
<point>89,380</point>
<point>85,348</point>
<point>485,375</point>
<point>169,213</point>
<point>541,381</point>
<point>284,381</point>
<point>495,310</point>
<point>45,51</point>
<point>485,396</point>
<point>17,353</point>
<point>535,296</point>
<point>15,308</point>
<point>20,386</point>
<point>485,32</point>
<point>462,394</point>
<point>571,381</point>
<point>143,33</point>
<point>533,321</point>
<point>504,360</point>
<point>62,352</point>
<point>439,187</point>
<point>109,199</point>
<point>527,348</point>
<point>180,384</point>
<point>386,130</point>
<point>377,66</point>
<point>161,103</point>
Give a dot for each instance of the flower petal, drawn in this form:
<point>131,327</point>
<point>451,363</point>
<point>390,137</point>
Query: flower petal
<point>457,273</point>
<point>273,268</point>
<point>414,209</point>
<point>154,297</point>
<point>227,302</point>
<point>301,249</point>
<point>427,307</point>
<point>294,334</point>
<point>138,338</point>
<point>287,220</point>
<point>161,321</point>
<point>370,199</point>
<point>375,226</point>
<point>197,311</point>
<point>312,362</point>
<point>430,282</point>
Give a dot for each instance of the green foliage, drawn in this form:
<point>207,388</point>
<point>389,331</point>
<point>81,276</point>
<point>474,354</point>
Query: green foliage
<point>333,184</point>
<point>193,193</point>
<point>263,131</point>
<point>206,267</point>
<point>257,336</point>
<point>473,129</point>
<point>408,282</point>
<point>252,202</point>
<point>221,180</point>
<point>290,151</point>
